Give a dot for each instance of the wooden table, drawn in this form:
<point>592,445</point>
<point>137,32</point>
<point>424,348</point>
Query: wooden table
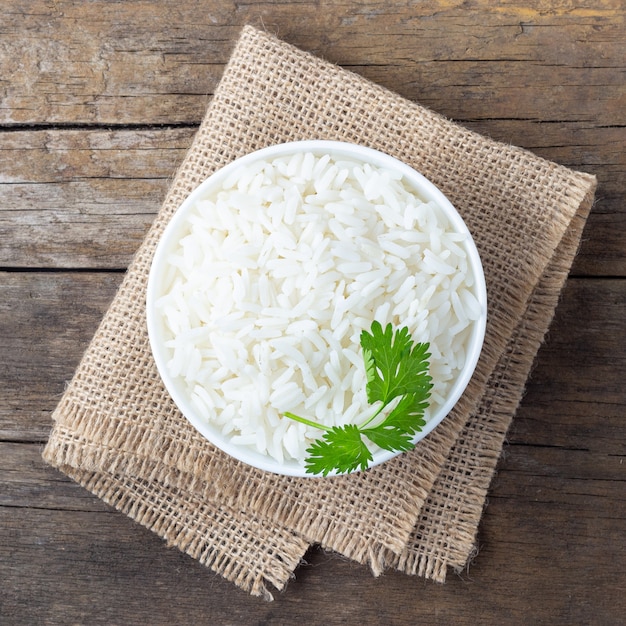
<point>98,103</point>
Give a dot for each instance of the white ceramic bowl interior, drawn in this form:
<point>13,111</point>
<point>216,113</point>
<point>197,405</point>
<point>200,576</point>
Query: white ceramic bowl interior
<point>423,188</point>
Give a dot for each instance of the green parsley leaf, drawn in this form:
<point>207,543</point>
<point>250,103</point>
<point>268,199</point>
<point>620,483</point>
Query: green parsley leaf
<point>341,448</point>
<point>408,414</point>
<point>389,437</point>
<point>394,365</point>
<point>398,382</point>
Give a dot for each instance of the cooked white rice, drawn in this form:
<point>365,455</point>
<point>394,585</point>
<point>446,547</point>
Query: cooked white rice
<point>276,275</point>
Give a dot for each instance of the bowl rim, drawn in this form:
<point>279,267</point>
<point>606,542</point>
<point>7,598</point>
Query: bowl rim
<point>422,186</point>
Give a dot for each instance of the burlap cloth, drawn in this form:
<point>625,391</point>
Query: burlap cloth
<point>117,432</point>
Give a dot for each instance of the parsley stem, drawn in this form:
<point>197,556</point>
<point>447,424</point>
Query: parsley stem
<point>303,420</point>
<point>373,417</point>
<point>308,422</point>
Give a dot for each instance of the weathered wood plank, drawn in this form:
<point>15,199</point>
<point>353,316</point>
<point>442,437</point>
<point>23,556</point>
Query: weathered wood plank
<point>46,322</point>
<point>556,503</point>
<point>86,567</point>
<point>65,557</point>
<point>47,156</point>
<point>545,76</point>
<point>573,400</point>
<point>156,62</point>
<point>583,147</point>
<point>85,198</point>
<point>586,344</point>
<point>28,482</point>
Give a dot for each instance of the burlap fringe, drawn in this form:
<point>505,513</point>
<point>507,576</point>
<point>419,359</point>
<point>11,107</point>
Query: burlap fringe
<point>119,434</point>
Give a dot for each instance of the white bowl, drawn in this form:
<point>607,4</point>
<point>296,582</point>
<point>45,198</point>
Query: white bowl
<point>423,188</point>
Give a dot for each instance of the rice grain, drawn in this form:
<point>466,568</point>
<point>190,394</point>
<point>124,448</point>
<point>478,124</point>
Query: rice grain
<point>275,276</point>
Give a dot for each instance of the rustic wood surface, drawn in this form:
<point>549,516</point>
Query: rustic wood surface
<point>99,101</point>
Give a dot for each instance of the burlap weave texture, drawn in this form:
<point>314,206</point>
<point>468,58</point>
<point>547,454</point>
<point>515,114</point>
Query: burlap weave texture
<point>118,433</point>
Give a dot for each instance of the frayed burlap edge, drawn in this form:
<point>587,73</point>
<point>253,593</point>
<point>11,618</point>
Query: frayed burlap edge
<point>344,535</point>
<point>240,547</point>
<point>437,545</point>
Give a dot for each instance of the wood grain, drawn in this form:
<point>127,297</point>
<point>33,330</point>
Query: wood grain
<point>156,62</point>
<point>48,318</point>
<point>555,503</point>
<point>70,558</point>
<point>100,100</point>
<point>85,198</point>
<point>46,322</point>
<point>550,79</point>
